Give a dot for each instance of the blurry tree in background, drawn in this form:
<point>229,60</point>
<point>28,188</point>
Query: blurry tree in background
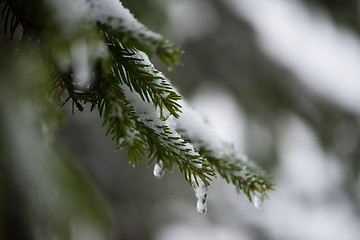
<point>46,192</point>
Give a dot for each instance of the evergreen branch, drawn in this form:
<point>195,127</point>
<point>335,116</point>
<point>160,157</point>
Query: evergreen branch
<point>243,174</point>
<point>9,17</point>
<point>17,13</point>
<point>112,106</point>
<point>135,70</point>
<point>136,101</point>
<point>232,166</point>
<point>146,137</point>
<point>167,145</point>
<point>152,44</point>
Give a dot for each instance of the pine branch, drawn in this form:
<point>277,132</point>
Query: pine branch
<point>145,134</point>
<point>138,104</point>
<point>11,20</point>
<point>134,69</point>
<point>242,173</point>
<point>246,177</point>
<point>65,81</point>
<point>132,33</point>
<point>235,168</point>
<point>152,44</point>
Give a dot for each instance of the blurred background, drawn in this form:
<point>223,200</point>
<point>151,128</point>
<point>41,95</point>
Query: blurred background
<point>279,79</point>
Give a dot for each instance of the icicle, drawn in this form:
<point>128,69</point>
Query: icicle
<point>201,195</point>
<point>258,201</point>
<point>159,169</point>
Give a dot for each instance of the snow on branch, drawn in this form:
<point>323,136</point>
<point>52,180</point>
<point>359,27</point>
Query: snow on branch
<point>158,132</point>
<point>134,69</point>
<point>113,17</point>
<point>233,166</point>
<point>140,108</point>
<point>143,112</point>
<point>137,124</point>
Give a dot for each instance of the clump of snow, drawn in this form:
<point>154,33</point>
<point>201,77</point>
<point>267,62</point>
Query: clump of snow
<point>193,123</point>
<point>114,14</point>
<point>80,64</point>
<point>149,68</point>
<point>201,132</point>
<point>79,59</point>
<point>108,12</point>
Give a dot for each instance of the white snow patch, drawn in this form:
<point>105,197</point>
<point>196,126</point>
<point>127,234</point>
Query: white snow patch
<point>71,14</point>
<point>80,64</point>
<point>221,132</point>
<point>152,70</point>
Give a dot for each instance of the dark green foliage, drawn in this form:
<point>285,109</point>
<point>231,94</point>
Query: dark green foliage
<point>245,175</point>
<point>154,141</point>
<point>150,44</point>
<point>145,80</point>
<point>147,134</point>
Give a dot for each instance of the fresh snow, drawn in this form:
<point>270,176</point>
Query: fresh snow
<point>150,116</point>
<point>149,68</point>
<point>201,133</point>
<point>192,122</point>
<point>108,12</point>
<point>196,128</point>
<point>71,14</point>
<point>80,64</point>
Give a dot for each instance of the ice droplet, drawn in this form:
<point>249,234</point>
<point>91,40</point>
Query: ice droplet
<point>159,169</point>
<point>201,195</point>
<point>201,206</point>
<point>258,201</point>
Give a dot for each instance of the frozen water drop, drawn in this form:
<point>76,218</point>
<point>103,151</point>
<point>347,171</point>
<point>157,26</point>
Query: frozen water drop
<point>258,201</point>
<point>159,169</point>
<point>201,195</point>
<point>201,205</point>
